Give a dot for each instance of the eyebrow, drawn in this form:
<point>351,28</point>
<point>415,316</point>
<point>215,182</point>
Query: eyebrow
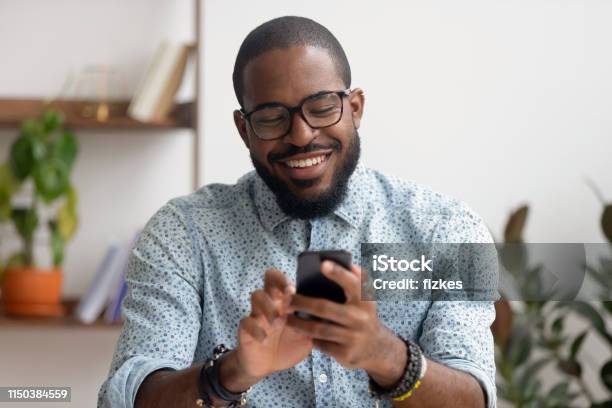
<point>277,104</point>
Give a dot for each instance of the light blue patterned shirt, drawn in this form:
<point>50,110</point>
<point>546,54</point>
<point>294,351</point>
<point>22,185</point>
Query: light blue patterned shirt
<point>200,256</point>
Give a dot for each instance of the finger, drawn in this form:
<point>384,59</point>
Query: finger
<point>319,330</point>
<point>349,280</point>
<point>263,305</point>
<point>323,308</point>
<point>276,283</point>
<point>251,327</point>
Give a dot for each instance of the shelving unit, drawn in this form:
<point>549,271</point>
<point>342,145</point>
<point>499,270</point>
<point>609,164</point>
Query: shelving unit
<point>14,111</point>
<point>66,321</point>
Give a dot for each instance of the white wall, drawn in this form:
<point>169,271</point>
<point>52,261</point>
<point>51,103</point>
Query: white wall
<point>57,356</point>
<point>122,177</point>
<point>494,102</point>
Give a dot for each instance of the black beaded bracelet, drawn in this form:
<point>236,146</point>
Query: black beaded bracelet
<point>209,374</point>
<point>412,373</point>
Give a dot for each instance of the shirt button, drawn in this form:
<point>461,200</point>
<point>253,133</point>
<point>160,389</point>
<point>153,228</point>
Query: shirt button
<point>322,378</point>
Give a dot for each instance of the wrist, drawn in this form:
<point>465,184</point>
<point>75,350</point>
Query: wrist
<point>388,367</point>
<point>233,376</point>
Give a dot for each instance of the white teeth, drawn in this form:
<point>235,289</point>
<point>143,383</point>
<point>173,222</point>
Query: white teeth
<point>313,161</point>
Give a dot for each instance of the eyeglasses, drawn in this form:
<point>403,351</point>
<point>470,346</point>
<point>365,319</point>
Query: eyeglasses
<point>272,121</point>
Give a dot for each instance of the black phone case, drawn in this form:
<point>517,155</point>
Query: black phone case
<point>311,282</point>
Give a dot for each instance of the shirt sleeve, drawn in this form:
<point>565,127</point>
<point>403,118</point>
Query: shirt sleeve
<point>458,333</point>
<point>162,309</point>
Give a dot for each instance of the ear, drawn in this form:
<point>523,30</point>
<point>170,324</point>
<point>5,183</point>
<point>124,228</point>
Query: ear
<point>356,101</point>
<point>241,125</point>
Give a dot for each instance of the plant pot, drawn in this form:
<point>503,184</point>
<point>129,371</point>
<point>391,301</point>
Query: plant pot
<point>29,291</point>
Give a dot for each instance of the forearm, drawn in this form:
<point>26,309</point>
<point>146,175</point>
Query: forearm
<point>165,388</point>
<point>441,387</point>
<point>178,388</point>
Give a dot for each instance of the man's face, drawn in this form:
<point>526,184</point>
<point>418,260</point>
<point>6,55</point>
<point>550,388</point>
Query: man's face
<point>287,76</point>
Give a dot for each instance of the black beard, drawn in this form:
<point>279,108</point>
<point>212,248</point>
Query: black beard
<point>324,203</point>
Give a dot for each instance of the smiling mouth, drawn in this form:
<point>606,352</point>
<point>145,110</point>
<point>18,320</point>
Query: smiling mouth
<point>307,162</point>
<point>306,166</point>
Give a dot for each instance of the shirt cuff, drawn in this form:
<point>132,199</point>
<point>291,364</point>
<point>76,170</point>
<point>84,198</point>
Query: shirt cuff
<point>490,390</point>
<point>121,388</point>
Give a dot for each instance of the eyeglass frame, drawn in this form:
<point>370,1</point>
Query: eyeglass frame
<point>294,109</point>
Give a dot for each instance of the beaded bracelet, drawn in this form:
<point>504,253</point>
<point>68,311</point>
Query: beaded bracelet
<point>415,368</point>
<point>417,384</point>
<point>209,374</point>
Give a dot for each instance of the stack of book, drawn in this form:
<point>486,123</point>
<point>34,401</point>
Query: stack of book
<point>155,95</point>
<point>109,287</point>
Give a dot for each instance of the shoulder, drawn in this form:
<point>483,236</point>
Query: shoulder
<point>209,204</point>
<point>214,198</point>
<point>455,220</point>
<point>217,195</point>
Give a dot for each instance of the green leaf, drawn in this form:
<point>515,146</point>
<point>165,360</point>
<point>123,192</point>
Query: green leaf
<point>26,221</point>
<point>531,370</point>
<point>8,181</point>
<point>557,326</point>
<point>51,179</point>
<point>513,257</point>
<point>606,375</point>
<point>590,313</point>
<point>576,344</point>
<point>560,393</point>
<point>516,223</point>
<point>5,206</point>
<point>57,243</point>
<point>72,198</point>
<point>21,158</point>
<point>67,221</point>
<point>570,367</point>
<point>604,404</point>
<point>51,120</point>
<point>9,184</point>
<point>518,347</point>
<point>32,128</point>
<point>65,148</point>
<point>608,306</point>
<point>606,222</point>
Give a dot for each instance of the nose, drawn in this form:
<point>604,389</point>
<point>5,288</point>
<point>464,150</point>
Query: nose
<point>301,133</point>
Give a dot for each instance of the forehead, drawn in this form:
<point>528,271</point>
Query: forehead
<point>288,75</point>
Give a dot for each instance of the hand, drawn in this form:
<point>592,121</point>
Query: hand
<point>351,332</point>
<point>265,343</point>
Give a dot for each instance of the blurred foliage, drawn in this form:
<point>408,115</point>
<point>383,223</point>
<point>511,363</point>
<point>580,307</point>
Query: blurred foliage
<point>44,152</point>
<point>536,338</point>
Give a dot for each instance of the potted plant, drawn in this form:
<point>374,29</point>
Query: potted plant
<point>36,192</point>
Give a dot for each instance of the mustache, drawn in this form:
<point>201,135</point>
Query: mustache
<point>312,147</point>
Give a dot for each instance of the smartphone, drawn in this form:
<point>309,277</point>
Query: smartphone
<point>311,282</point>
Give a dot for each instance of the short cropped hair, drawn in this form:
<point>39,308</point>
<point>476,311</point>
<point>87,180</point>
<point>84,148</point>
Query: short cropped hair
<point>285,32</point>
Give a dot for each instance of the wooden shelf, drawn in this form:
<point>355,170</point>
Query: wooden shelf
<point>14,111</point>
<point>66,321</point>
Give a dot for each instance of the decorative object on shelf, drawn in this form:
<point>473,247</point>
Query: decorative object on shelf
<point>39,164</point>
<point>154,98</point>
<point>98,91</point>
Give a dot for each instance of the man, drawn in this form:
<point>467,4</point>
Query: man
<point>218,266</point>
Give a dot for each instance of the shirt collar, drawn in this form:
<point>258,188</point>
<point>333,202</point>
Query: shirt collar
<point>351,209</point>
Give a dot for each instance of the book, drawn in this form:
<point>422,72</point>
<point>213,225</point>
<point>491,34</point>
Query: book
<point>113,310</point>
<point>154,97</point>
<point>95,299</point>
